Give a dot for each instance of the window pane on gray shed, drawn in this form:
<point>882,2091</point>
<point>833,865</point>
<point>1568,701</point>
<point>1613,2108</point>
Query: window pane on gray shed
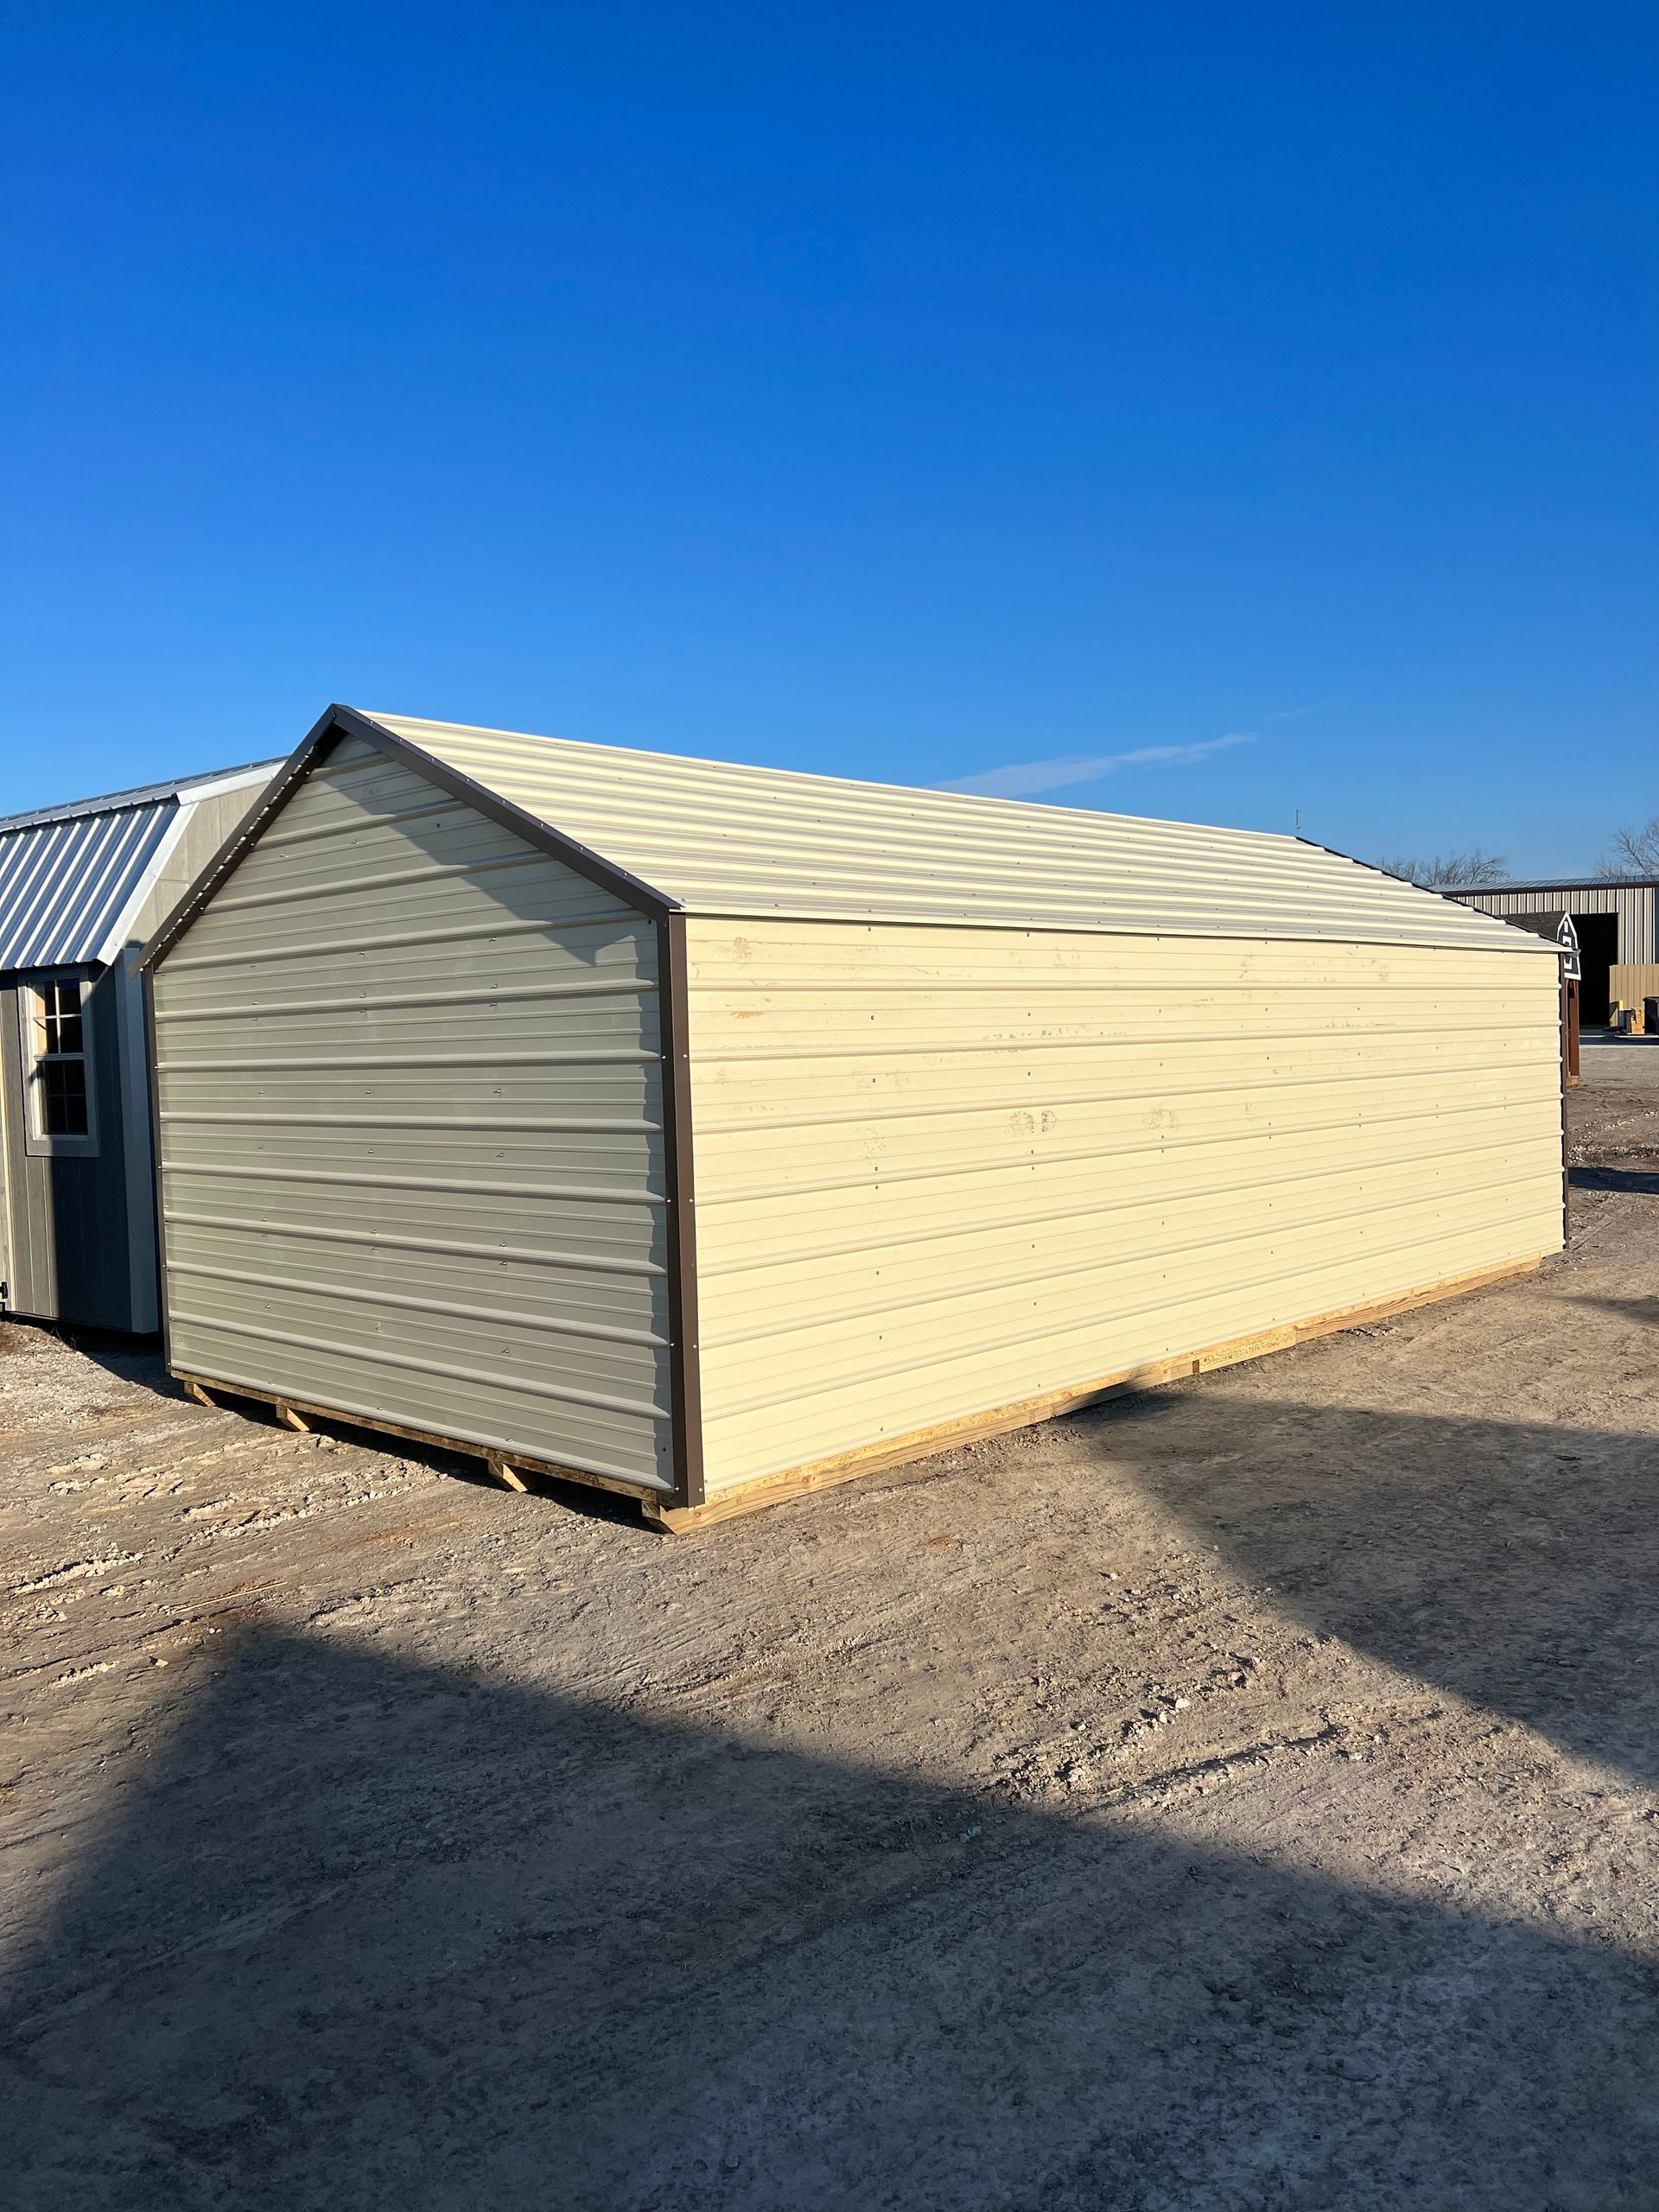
<point>63,1098</point>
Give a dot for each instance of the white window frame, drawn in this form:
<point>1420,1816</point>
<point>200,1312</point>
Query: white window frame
<point>31,1015</point>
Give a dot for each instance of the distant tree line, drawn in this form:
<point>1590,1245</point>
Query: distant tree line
<point>1452,872</point>
<point>1630,851</point>
<point>1633,852</point>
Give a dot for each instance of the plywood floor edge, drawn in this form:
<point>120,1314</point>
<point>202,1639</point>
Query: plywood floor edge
<point>921,1444</point>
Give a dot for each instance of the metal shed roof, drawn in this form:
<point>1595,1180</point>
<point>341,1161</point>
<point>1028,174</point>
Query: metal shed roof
<point>183,788</point>
<point>1507,890</point>
<point>708,837</point>
<point>72,876</point>
<point>63,883</point>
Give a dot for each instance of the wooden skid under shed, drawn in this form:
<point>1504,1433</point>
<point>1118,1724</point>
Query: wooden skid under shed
<point>510,1468</point>
<point>507,1466</point>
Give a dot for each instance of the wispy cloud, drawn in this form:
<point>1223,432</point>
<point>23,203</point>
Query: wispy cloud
<point>1025,778</point>
<point>1297,713</point>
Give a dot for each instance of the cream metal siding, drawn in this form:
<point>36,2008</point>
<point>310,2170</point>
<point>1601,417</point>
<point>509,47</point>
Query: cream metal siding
<point>1635,903</point>
<point>943,1171</point>
<point>411,1104</point>
<point>719,839</point>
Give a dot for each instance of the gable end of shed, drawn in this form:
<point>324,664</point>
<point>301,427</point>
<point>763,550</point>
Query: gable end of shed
<point>339,724</point>
<point>414,1153</point>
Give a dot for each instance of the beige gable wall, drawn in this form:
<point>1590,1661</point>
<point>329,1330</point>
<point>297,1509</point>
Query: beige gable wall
<point>411,1131</point>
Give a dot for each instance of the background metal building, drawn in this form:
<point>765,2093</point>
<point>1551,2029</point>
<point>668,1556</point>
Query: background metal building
<point>712,1133</point>
<point>80,888</point>
<point>1616,923</point>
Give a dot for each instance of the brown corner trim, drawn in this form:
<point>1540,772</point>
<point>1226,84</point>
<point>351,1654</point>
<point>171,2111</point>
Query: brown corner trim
<point>685,1357</point>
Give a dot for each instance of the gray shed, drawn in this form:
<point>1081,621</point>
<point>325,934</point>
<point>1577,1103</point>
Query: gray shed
<point>712,1134</point>
<point>82,886</point>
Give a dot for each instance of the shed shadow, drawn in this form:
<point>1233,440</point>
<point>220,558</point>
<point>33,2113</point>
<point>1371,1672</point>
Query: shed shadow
<point>378,1934</point>
<point>136,1359</point>
<point>1640,1182</point>
<point>1512,1563</point>
<point>1643,1310</point>
<point>141,1360</point>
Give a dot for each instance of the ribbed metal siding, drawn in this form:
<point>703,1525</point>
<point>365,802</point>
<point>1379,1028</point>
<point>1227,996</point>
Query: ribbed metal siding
<point>410,1130</point>
<point>64,885</point>
<point>1635,903</point>
<point>718,839</point>
<point>940,1171</point>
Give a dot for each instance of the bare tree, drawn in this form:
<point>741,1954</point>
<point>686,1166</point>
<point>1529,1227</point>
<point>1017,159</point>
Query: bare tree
<point>1633,852</point>
<point>1457,871</point>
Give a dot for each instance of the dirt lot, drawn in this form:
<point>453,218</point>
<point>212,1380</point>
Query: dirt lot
<point>1246,1796</point>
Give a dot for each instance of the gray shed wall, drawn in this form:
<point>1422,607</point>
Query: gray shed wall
<point>78,1239</point>
<point>68,1217</point>
<point>412,1135</point>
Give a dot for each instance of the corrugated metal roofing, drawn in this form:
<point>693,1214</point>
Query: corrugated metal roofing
<point>717,839</point>
<point>179,787</point>
<point>73,876</point>
<point>1559,883</point>
<point>66,883</point>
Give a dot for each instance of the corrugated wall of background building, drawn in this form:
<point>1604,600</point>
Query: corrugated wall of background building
<point>410,1084</point>
<point>943,1171</point>
<point>1635,903</point>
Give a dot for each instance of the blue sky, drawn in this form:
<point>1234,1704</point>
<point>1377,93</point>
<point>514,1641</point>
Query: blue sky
<point>1207,411</point>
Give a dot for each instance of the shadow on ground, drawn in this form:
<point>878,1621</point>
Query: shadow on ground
<point>1641,1181</point>
<point>375,1935</point>
<point>1511,1563</point>
<point>1643,1310</point>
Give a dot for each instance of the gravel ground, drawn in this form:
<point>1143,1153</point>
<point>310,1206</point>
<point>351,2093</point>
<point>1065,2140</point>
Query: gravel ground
<point>1246,1796</point>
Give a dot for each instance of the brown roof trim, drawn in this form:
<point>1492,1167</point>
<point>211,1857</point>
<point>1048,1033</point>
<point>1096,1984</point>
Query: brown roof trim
<point>339,722</point>
<point>275,795</point>
<point>630,889</point>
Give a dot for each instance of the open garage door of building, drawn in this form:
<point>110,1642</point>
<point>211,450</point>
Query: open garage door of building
<point>1598,950</point>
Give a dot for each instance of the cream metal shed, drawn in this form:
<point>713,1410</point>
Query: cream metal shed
<point>712,1134</point>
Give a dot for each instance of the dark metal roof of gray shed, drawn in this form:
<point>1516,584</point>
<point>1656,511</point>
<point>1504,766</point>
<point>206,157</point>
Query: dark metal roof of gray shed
<point>72,876</point>
<point>72,810</point>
